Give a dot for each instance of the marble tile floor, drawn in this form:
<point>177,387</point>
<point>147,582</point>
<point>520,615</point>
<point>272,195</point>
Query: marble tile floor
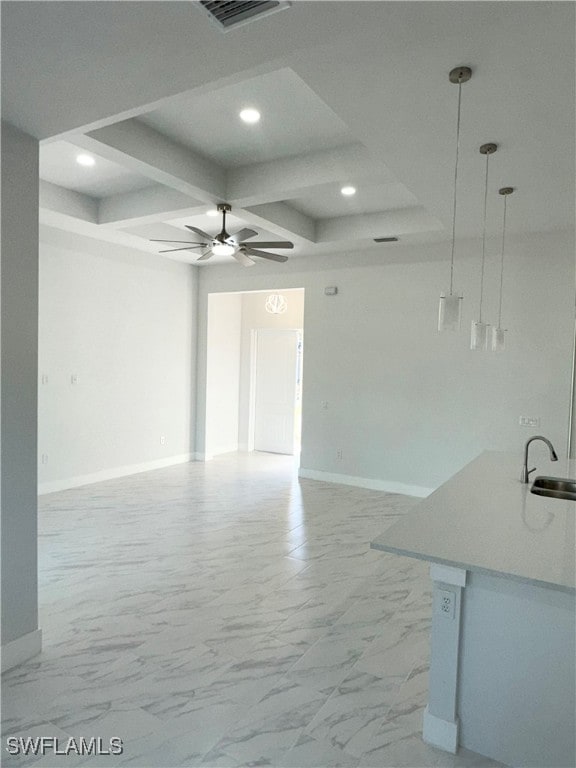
<point>227,614</point>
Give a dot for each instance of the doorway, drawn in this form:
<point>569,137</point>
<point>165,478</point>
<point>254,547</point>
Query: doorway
<point>237,324</point>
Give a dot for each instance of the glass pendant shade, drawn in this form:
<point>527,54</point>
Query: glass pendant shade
<point>450,312</point>
<point>498,339</point>
<point>479,336</point>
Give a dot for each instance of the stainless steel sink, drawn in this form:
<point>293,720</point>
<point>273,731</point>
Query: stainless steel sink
<point>556,487</point>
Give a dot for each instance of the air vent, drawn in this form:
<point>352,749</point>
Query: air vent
<point>385,239</point>
<point>233,13</point>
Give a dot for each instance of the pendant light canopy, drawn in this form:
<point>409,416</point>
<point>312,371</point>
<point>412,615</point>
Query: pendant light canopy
<point>499,333</point>
<point>480,329</point>
<point>450,308</point>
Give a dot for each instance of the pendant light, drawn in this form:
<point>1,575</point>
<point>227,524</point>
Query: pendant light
<point>450,308</point>
<point>276,304</point>
<point>498,333</point>
<point>479,331</point>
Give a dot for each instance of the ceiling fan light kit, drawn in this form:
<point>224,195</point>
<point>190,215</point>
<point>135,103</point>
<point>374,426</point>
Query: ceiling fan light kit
<point>450,307</point>
<point>224,244</point>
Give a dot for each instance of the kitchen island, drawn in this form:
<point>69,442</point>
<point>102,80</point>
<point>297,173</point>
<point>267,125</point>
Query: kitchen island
<point>503,658</point>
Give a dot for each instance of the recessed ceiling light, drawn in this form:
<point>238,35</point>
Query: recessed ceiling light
<point>212,212</point>
<point>86,160</point>
<point>250,115</point>
<point>348,191</point>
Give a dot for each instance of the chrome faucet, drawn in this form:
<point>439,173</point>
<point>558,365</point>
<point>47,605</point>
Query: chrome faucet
<point>524,477</point>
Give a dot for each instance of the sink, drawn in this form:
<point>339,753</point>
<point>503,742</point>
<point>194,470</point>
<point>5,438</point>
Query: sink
<point>556,487</point>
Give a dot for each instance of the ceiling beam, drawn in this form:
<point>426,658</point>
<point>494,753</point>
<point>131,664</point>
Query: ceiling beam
<point>156,203</point>
<point>401,221</point>
<point>67,202</point>
<point>281,218</point>
<point>143,150</point>
<point>289,177</point>
<point>88,239</point>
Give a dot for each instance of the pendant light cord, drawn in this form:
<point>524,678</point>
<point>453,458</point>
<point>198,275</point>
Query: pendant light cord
<point>502,263</point>
<point>455,186</point>
<point>484,239</point>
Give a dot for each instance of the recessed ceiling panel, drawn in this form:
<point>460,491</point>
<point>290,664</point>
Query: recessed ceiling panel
<point>326,201</point>
<point>58,165</point>
<point>294,120</point>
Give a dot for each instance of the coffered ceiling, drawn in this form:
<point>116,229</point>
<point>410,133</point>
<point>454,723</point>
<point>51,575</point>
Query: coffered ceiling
<point>350,93</point>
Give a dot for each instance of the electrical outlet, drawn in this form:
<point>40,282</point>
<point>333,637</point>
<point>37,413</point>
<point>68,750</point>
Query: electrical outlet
<point>44,378</point>
<point>339,454</point>
<point>446,603</point>
<point>529,421</point>
<point>44,458</point>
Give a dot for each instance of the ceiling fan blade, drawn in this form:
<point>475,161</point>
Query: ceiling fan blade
<point>206,255</point>
<point>264,255</point>
<point>266,244</point>
<point>241,257</point>
<point>189,248</point>
<point>244,234</point>
<point>156,240</point>
<point>200,232</point>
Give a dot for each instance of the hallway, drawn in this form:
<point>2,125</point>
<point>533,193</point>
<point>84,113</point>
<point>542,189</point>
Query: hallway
<point>227,614</point>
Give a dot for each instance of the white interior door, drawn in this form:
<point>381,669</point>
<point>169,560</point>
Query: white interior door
<point>275,381</point>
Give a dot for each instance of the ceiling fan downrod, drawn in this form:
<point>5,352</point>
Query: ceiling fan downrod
<point>223,208</point>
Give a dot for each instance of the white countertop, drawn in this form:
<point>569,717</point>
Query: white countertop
<point>484,519</point>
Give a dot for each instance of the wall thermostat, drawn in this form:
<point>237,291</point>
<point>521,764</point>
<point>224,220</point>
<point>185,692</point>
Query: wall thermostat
<point>331,290</point>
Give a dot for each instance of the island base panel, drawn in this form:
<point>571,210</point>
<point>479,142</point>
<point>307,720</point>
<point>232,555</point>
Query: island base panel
<point>517,675</point>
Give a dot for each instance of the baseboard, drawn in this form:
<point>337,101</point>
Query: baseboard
<point>20,650</point>
<point>440,733</point>
<point>366,482</point>
<point>203,456</point>
<point>224,449</point>
<point>111,474</point>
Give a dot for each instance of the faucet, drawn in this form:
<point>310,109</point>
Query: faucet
<point>524,477</point>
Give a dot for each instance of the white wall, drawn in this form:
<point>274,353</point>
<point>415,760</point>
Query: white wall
<point>19,399</point>
<point>406,404</point>
<point>123,323</point>
<point>255,316</point>
<point>223,373</point>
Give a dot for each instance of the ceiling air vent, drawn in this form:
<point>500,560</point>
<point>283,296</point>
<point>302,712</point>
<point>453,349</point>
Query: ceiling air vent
<point>233,13</point>
<point>385,239</point>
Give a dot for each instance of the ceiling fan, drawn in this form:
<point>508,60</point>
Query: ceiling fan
<point>224,244</point>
